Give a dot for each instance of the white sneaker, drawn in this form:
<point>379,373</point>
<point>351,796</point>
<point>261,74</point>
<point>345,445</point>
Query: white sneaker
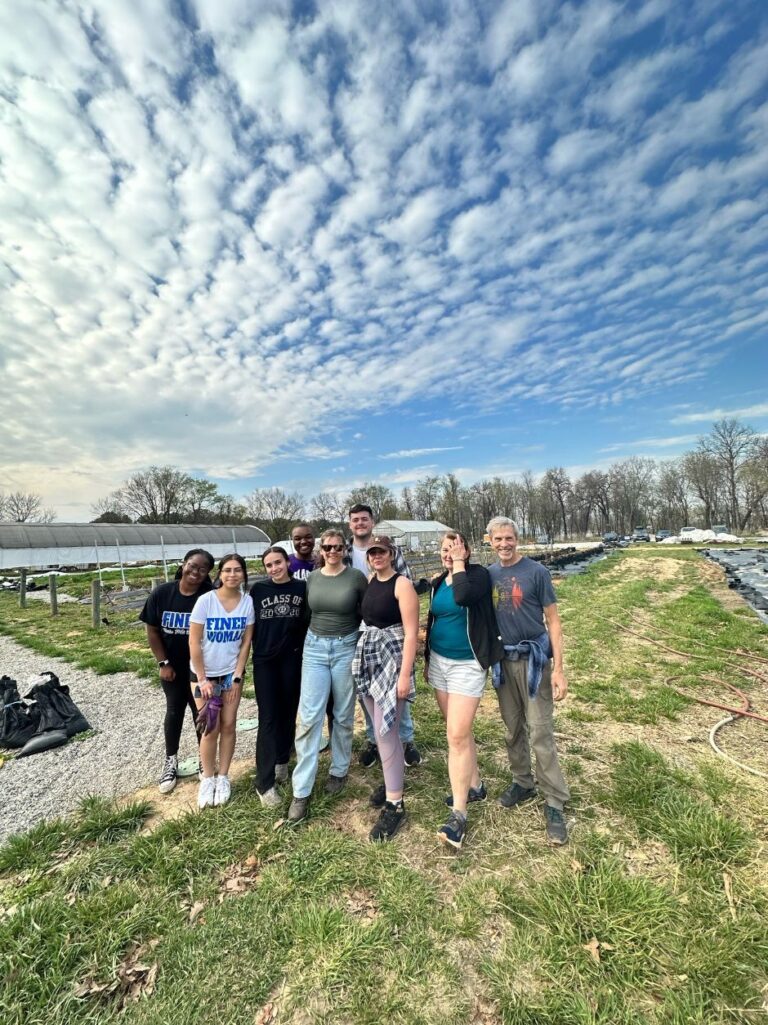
<point>270,798</point>
<point>169,776</point>
<point>207,792</point>
<point>223,790</point>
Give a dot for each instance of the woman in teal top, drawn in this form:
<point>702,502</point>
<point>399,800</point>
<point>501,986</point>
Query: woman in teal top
<point>462,643</point>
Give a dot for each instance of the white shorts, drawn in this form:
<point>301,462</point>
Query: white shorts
<point>456,676</point>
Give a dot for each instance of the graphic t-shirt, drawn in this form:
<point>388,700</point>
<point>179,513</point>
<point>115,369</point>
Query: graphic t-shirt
<point>520,593</point>
<point>169,610</point>
<point>222,631</point>
<point>300,568</point>
<point>281,617</point>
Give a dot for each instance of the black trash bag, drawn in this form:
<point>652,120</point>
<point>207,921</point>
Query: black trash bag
<point>57,709</point>
<point>8,691</point>
<point>18,723</point>
<point>43,742</point>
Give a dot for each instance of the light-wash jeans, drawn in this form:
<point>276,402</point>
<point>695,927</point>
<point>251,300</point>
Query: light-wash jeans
<point>405,727</point>
<point>326,668</point>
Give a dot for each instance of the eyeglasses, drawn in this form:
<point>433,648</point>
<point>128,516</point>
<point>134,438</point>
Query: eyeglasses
<point>332,548</point>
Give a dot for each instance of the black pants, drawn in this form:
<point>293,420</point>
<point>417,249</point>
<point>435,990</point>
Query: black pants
<point>278,684</point>
<point>178,698</point>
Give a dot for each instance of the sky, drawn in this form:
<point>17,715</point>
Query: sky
<point>312,244</point>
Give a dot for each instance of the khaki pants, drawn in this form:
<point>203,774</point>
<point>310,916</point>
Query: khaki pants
<point>530,726</point>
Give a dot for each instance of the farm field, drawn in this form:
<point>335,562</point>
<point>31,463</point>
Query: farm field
<point>656,912</point>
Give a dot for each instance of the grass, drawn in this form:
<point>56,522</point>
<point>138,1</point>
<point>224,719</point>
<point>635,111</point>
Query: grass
<point>657,912</point>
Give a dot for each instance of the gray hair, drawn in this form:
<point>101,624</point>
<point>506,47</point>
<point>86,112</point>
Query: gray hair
<point>498,522</point>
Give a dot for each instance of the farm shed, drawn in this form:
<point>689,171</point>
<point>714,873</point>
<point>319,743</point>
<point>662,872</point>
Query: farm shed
<point>37,545</point>
<point>412,534</point>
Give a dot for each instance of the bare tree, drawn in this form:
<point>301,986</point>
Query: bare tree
<point>275,510</point>
<point>26,507</point>
<point>377,496</point>
<point>703,476</point>
<point>732,444</point>
<point>557,481</point>
<point>156,495</point>
<point>326,510</point>
<point>427,497</point>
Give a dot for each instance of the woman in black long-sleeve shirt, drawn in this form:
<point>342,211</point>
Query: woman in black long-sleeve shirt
<point>278,638</point>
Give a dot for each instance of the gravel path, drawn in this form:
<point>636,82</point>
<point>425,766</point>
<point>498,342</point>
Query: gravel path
<point>123,756</point>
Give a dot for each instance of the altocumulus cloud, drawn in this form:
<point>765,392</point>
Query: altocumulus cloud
<point>212,210</point>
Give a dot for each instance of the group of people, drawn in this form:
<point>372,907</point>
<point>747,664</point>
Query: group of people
<point>339,621</point>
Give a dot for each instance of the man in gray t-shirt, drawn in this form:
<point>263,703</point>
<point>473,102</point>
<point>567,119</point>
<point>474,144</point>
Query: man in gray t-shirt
<point>526,611</point>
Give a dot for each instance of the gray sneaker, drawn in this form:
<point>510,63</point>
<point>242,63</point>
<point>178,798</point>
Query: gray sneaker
<point>516,794</point>
<point>335,784</point>
<point>298,809</point>
<point>281,772</point>
<point>270,798</point>
<point>556,829</point>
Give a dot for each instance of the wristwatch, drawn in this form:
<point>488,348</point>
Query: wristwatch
<point>237,679</point>
<point>164,662</point>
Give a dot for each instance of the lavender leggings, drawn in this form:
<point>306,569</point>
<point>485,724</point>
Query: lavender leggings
<point>390,745</point>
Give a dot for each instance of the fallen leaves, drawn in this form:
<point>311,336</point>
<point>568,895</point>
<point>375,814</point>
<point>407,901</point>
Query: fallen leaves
<point>595,947</point>
<point>133,980</point>
<point>361,903</point>
<point>194,911</point>
<point>239,878</point>
<point>267,1015</point>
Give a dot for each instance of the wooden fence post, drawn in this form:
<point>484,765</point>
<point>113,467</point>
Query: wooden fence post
<point>53,592</point>
<point>95,604</point>
<point>23,588</point>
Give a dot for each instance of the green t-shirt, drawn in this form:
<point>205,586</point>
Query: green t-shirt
<point>335,602</point>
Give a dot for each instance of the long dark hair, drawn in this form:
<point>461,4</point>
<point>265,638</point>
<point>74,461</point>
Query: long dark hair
<point>208,558</point>
<point>228,558</point>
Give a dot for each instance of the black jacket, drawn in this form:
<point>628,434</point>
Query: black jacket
<point>472,589</point>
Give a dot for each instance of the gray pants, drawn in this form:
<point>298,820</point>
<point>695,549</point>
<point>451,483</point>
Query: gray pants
<point>530,726</point>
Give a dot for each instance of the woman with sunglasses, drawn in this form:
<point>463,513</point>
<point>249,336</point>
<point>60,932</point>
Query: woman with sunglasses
<point>334,594</point>
<point>220,631</point>
<point>383,673</point>
<point>462,643</point>
<point>166,615</point>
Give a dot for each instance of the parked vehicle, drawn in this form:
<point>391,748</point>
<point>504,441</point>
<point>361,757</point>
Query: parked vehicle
<point>686,535</point>
<point>543,539</point>
<point>661,534</point>
<point>641,534</point>
<point>610,537</point>
<point>720,528</point>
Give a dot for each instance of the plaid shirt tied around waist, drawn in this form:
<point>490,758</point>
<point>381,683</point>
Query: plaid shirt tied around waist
<point>376,669</point>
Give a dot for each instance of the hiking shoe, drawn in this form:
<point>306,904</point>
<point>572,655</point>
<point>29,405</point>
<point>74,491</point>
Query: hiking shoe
<point>281,772</point>
<point>411,754</point>
<point>369,755</point>
<point>335,784</point>
<point>516,794</point>
<point>298,809</point>
<point>270,798</point>
<point>556,829</point>
<point>223,790</point>
<point>206,792</point>
<point>378,797</point>
<point>452,833</point>
<point>389,821</point>
<point>474,794</point>
<point>170,775</point>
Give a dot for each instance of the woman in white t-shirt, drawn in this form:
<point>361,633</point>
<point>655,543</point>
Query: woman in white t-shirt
<point>220,631</point>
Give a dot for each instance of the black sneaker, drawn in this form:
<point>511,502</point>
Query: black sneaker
<point>369,755</point>
<point>379,797</point>
<point>411,754</point>
<point>168,779</point>
<point>516,794</point>
<point>389,821</point>
<point>452,833</point>
<point>474,794</point>
<point>556,830</point>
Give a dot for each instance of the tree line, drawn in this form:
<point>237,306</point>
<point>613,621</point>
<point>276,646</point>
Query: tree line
<point>723,480</point>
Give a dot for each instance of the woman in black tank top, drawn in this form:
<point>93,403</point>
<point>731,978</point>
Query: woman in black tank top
<point>383,671</point>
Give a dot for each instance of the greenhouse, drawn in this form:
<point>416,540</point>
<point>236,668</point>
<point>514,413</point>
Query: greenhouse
<point>80,545</point>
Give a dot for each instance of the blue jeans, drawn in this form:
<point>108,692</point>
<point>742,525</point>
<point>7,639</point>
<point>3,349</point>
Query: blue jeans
<point>326,669</point>
<point>405,728</point>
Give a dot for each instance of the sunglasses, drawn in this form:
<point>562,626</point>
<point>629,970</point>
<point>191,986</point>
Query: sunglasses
<point>377,551</point>
<point>332,548</point>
